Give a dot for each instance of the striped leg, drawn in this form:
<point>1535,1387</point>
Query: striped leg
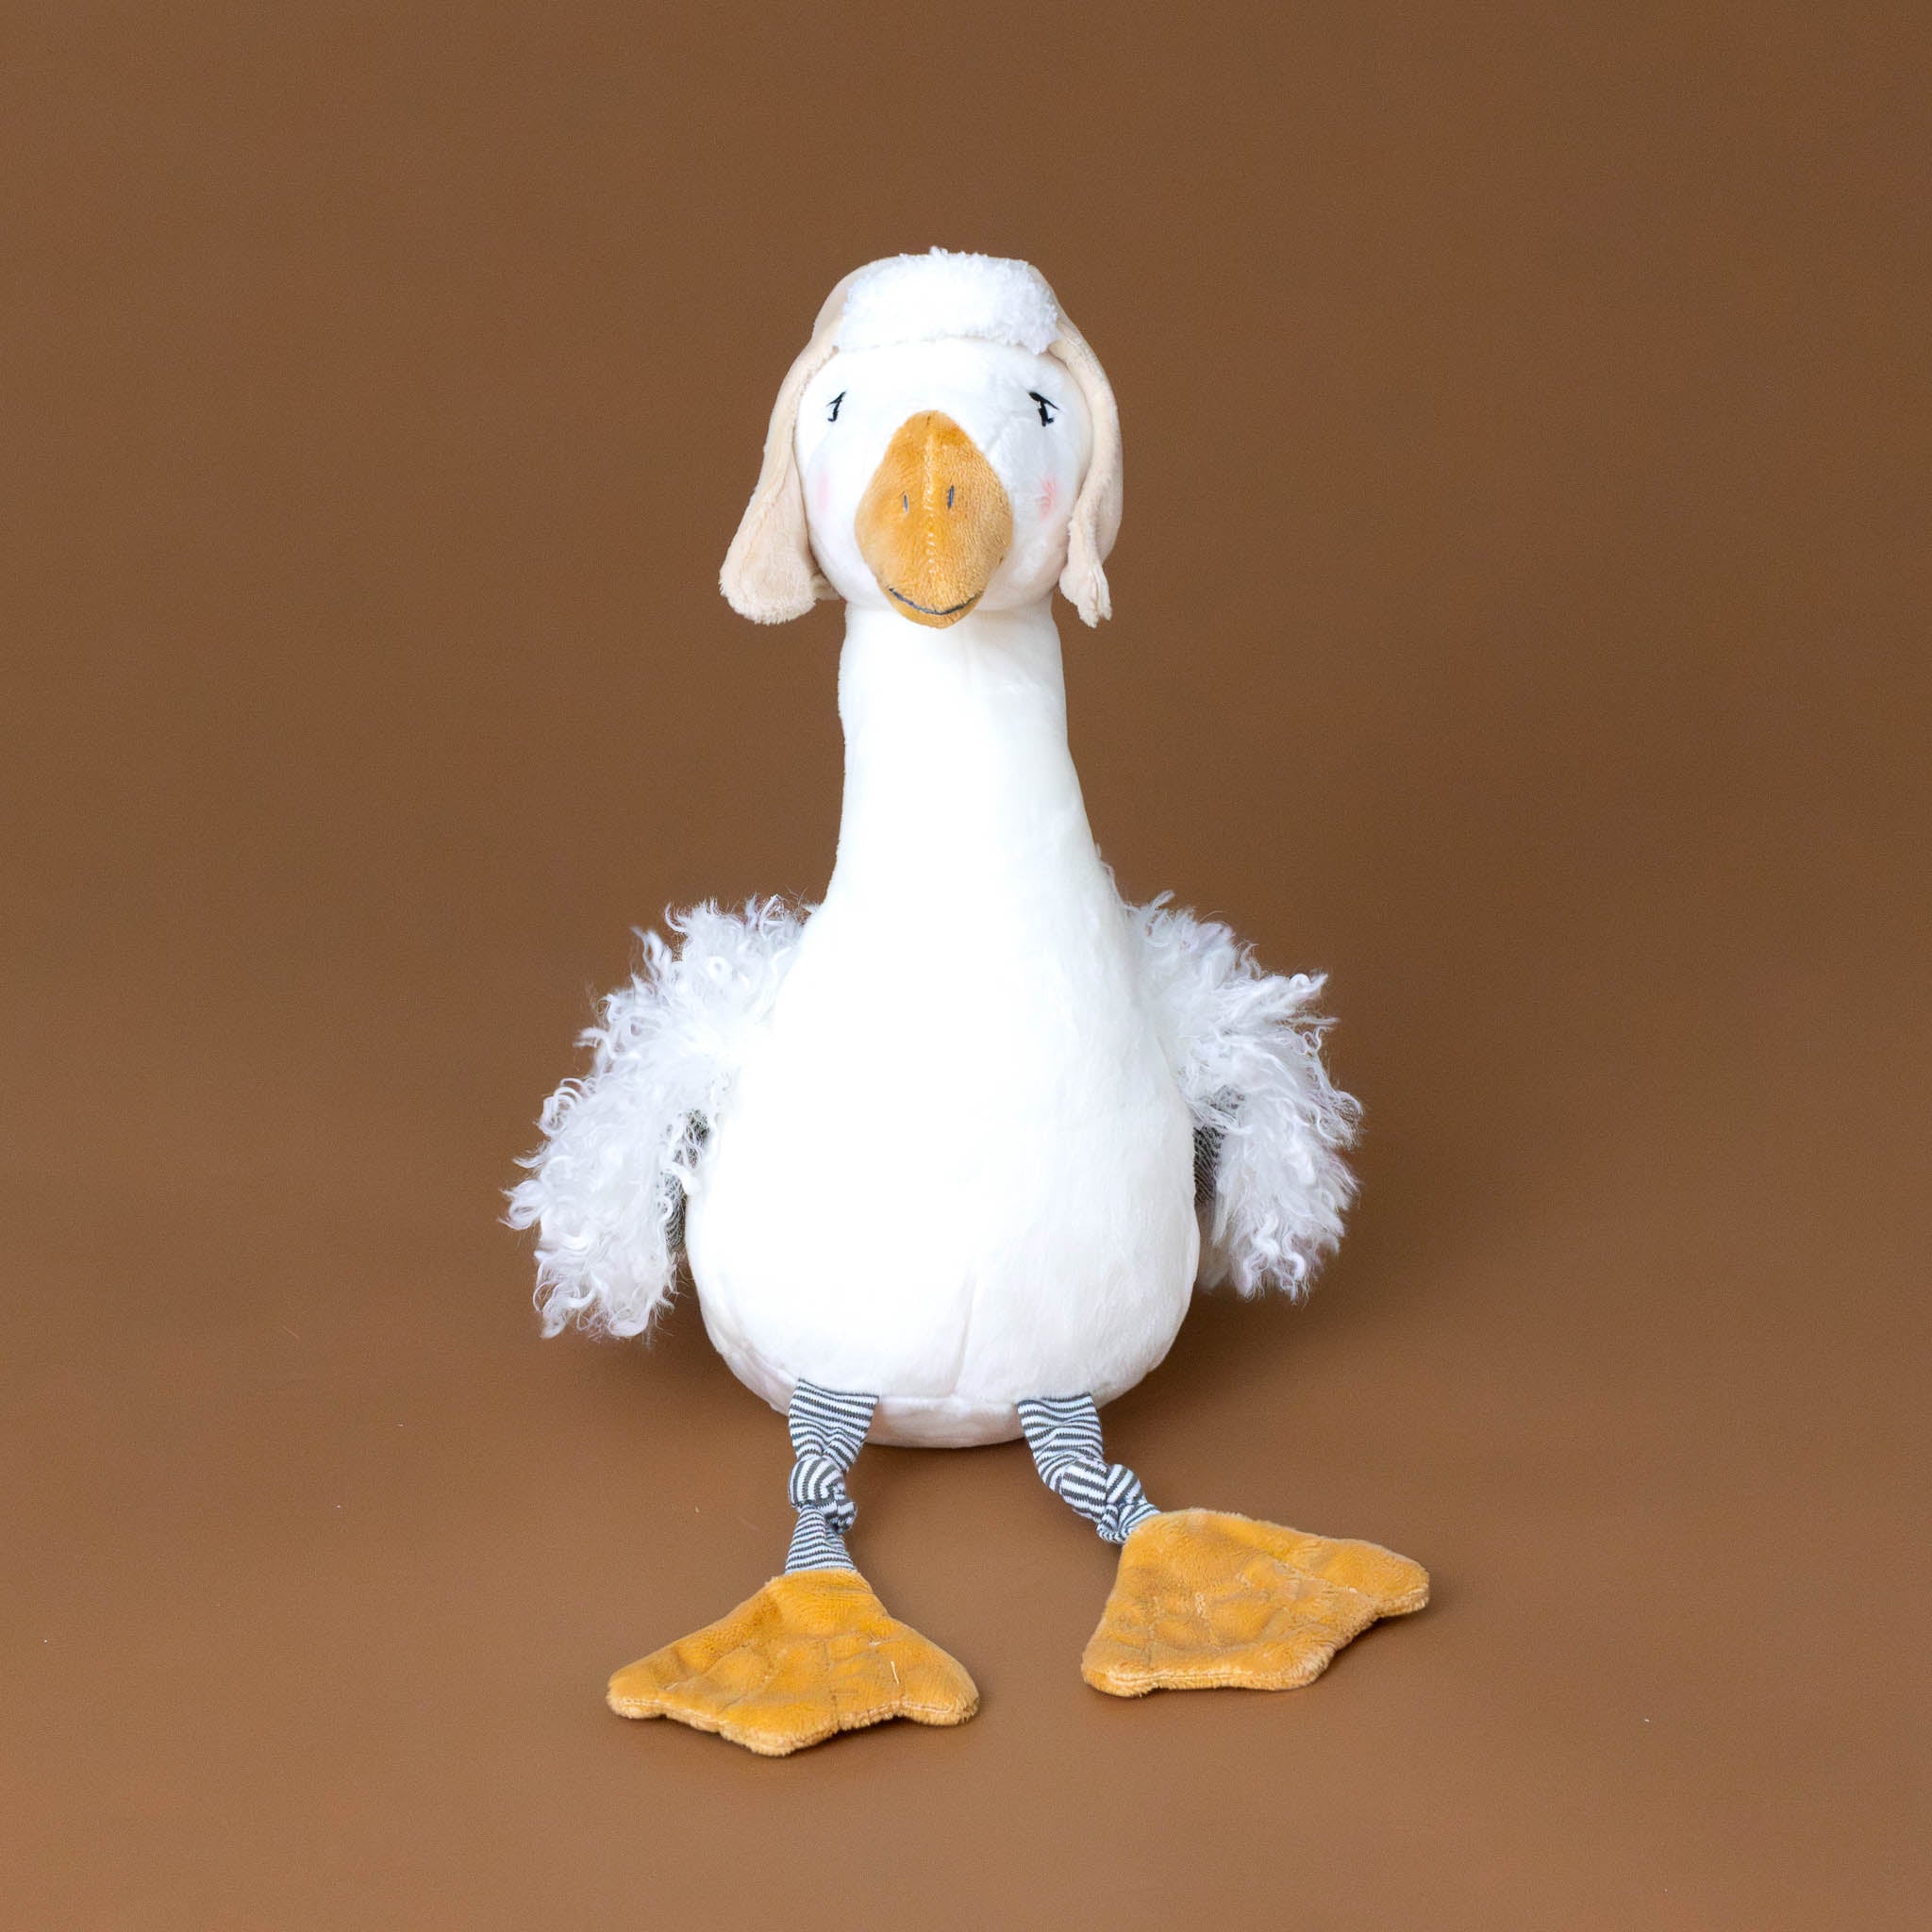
<point>827,1430</point>
<point>1063,1432</point>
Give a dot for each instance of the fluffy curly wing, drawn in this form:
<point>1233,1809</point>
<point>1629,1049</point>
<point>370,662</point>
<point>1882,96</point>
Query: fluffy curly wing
<point>606,1191</point>
<point>1270,1125</point>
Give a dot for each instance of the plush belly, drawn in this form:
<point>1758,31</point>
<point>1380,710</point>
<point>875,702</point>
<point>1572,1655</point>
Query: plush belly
<point>951,1203</point>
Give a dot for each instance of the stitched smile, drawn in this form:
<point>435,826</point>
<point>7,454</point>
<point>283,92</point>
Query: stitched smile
<point>926,609</point>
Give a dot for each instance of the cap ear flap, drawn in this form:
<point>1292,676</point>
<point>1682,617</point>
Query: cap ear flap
<point>1096,519</point>
<point>769,575</point>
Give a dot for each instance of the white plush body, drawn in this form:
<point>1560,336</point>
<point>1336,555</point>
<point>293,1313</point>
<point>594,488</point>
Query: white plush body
<point>934,1140</point>
<point>955,1168</point>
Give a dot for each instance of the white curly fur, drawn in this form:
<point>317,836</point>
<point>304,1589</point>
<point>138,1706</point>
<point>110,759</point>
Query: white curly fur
<point>622,1142</point>
<point>1247,1048</point>
<point>926,298</point>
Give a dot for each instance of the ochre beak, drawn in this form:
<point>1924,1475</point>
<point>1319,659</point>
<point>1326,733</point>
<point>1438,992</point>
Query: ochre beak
<point>935,522</point>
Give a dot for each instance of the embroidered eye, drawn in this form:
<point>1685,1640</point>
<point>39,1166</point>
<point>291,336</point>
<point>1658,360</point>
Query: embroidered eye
<point>832,407</point>
<point>1047,410</point>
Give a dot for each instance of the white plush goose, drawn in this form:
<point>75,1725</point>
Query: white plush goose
<point>949,1151</point>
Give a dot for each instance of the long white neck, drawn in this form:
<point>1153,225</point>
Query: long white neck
<point>961,793</point>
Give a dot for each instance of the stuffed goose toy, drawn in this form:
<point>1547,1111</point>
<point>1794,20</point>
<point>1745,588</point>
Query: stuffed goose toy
<point>948,1154</point>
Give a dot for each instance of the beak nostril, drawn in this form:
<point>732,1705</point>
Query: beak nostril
<point>905,502</point>
<point>949,496</point>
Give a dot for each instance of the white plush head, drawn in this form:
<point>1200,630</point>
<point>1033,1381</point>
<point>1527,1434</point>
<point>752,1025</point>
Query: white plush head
<point>946,411</point>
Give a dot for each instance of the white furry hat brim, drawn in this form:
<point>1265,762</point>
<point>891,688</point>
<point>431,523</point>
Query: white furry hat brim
<point>937,296</point>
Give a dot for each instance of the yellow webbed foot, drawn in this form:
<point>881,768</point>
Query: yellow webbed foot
<point>813,1652</point>
<point>1204,1600</point>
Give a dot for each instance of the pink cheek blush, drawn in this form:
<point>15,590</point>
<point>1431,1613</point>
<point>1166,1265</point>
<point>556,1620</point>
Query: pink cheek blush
<point>1049,496</point>
<point>821,493</point>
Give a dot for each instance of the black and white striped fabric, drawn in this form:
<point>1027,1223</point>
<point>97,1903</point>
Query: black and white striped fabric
<point>1063,1432</point>
<point>828,1431</point>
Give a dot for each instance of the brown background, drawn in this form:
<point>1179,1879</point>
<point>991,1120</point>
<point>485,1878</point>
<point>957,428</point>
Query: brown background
<point>1520,615</point>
